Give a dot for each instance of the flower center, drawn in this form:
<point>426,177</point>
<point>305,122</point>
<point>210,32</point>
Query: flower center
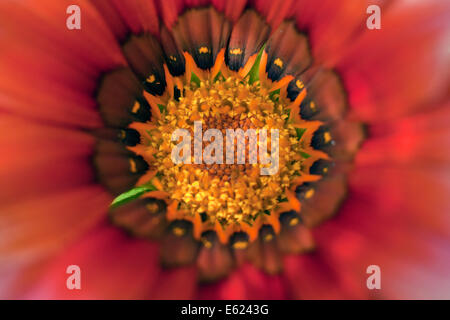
<point>229,193</point>
<point>248,151</point>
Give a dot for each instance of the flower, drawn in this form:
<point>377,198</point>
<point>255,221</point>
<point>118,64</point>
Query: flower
<point>87,115</point>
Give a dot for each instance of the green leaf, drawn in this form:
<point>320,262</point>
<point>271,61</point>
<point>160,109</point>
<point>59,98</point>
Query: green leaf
<point>162,108</point>
<point>305,155</point>
<point>254,71</point>
<point>275,95</point>
<point>300,132</point>
<point>218,77</point>
<point>131,195</point>
<point>195,79</point>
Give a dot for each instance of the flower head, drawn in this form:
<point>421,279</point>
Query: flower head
<point>312,147</point>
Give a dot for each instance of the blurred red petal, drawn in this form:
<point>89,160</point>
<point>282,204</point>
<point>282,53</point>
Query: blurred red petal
<point>320,20</point>
<point>315,276</point>
<point>175,284</point>
<point>34,228</point>
<point>421,140</point>
<point>246,282</point>
<point>393,218</point>
<point>137,16</point>
<point>171,9</point>
<point>41,159</point>
<point>113,266</point>
<point>392,72</point>
<point>48,71</point>
<point>274,11</point>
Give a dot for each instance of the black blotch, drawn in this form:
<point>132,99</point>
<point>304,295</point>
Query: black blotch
<point>176,93</point>
<point>203,60</point>
<point>293,90</point>
<point>301,190</point>
<point>274,72</point>
<point>321,167</point>
<point>239,236</point>
<point>144,113</point>
<point>157,86</point>
<point>141,165</point>
<point>265,231</point>
<point>209,236</point>
<point>287,217</point>
<point>181,224</point>
<point>162,206</point>
<point>130,137</point>
<point>176,64</point>
<point>308,109</point>
<point>234,61</point>
<point>318,140</point>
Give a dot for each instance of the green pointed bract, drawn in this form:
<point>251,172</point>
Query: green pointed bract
<point>195,79</point>
<point>131,195</point>
<point>254,71</point>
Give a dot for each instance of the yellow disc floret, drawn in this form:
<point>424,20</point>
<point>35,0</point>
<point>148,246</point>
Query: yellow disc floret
<point>227,193</point>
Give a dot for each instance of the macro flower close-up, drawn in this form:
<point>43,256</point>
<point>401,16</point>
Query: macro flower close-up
<point>225,149</point>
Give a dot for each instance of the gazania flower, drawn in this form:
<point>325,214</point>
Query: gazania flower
<point>87,178</point>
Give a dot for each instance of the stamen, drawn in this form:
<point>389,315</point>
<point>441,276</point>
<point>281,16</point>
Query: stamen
<point>233,200</point>
<point>231,193</point>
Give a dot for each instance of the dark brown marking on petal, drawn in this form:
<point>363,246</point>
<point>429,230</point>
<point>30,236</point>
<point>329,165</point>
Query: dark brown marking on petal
<point>321,167</point>
<point>308,109</point>
<point>322,139</point>
<point>289,218</point>
<point>146,58</point>
<point>328,196</point>
<point>117,168</point>
<point>349,136</point>
<point>215,260</point>
<point>247,38</point>
<point>294,237</point>
<point>305,191</point>
<point>202,32</point>
<point>288,52</point>
<point>127,136</point>
<point>143,218</point>
<point>178,245</point>
<point>117,94</point>
<point>173,55</point>
<point>264,251</point>
<point>239,240</point>
<point>326,89</point>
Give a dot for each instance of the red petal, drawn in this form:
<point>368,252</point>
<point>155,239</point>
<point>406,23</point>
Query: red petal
<point>422,140</point>
<point>48,71</point>
<point>394,218</point>
<point>137,16</point>
<point>246,283</point>
<point>35,228</point>
<point>40,159</point>
<point>175,284</point>
<point>314,276</point>
<point>329,23</point>
<point>112,265</point>
<point>393,71</point>
<point>275,11</point>
<point>171,9</point>
<point>332,24</point>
